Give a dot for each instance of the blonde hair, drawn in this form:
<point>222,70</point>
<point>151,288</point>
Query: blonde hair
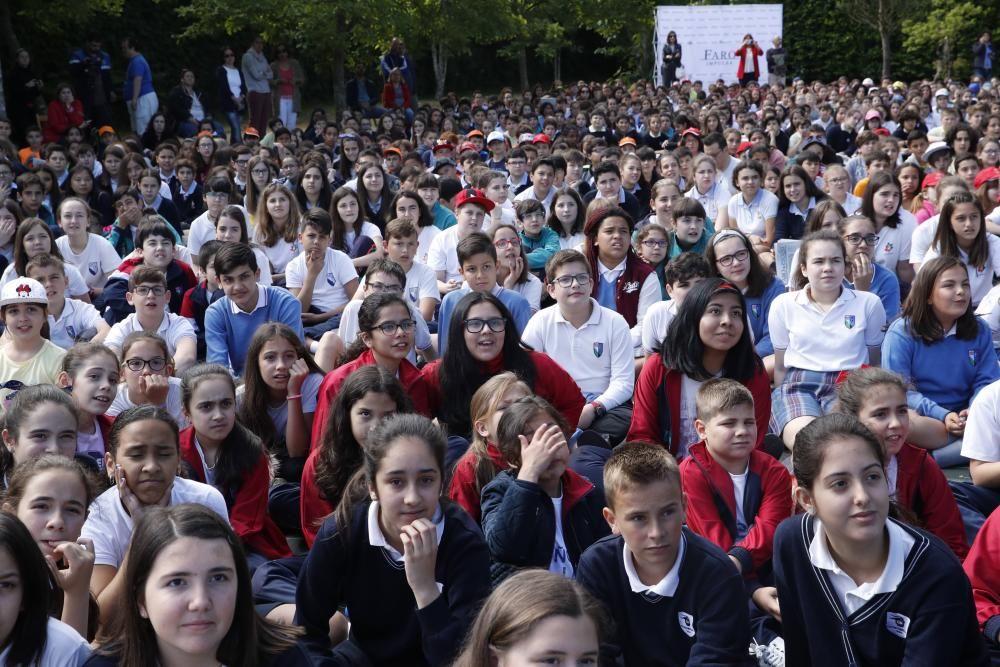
<point>635,464</point>
<point>485,402</point>
<point>719,395</point>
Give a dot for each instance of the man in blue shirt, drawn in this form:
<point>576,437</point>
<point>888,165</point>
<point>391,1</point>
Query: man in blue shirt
<point>139,94</point>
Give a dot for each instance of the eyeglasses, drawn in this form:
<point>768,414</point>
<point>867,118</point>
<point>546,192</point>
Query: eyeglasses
<point>382,287</point>
<point>504,243</point>
<point>856,239</point>
<point>653,243</point>
<point>837,181</point>
<point>738,256</point>
<point>390,328</point>
<point>581,279</point>
<point>260,172</point>
<point>495,324</point>
<point>156,364</point>
<point>142,290</point>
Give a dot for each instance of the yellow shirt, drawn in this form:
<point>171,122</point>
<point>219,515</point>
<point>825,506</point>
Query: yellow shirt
<point>43,368</point>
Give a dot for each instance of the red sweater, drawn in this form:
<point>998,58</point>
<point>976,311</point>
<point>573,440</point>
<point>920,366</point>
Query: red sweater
<point>922,488</point>
<point>60,119</point>
<point>413,383</point>
<point>389,96</point>
<point>646,412</point>
<point>247,504</point>
<point>711,508</point>
<point>313,508</point>
<point>463,480</point>
<point>745,52</point>
<point>982,566</point>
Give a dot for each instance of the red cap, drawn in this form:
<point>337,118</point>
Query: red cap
<point>692,131</point>
<point>392,149</point>
<point>881,131</point>
<point>473,196</point>
<point>746,145</point>
<point>468,146</point>
<point>474,133</point>
<point>931,179</point>
<point>443,145</point>
<point>251,132</point>
<point>541,139</point>
<point>987,175</point>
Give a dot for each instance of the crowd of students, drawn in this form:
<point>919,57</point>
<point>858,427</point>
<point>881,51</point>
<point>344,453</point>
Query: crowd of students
<point>612,375</point>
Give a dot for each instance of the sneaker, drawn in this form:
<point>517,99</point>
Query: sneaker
<point>773,654</point>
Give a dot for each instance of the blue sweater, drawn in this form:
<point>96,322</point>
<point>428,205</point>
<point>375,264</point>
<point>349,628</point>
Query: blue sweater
<point>885,285</point>
<point>385,622</point>
<point>758,308</point>
<point>228,334</point>
<point>945,375</point>
<point>540,249</point>
<point>710,597</point>
<point>518,306</point>
<point>932,608</point>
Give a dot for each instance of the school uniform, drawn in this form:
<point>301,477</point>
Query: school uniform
<point>354,566</point>
<point>64,647</point>
<point>980,278</point>
<point>737,513</point>
<point>462,488</point>
<point>517,305</point>
<point>328,291</point>
<point>983,570</point>
<point>443,254</point>
<point>526,528</point>
<point>917,483</point>
<point>790,220</point>
<point>246,501</point>
<point>279,254</point>
<point>421,283</point>
<point>97,259</point>
<point>750,218</point>
<point>696,615</point>
<point>655,325</point>
<point>919,611</point>
<point>894,242</point>
<point>229,329</point>
<point>296,655</point>
<point>180,278</point>
<point>172,328</point>
<point>194,306</point>
<point>77,285</point>
<point>91,447</point>
<point>350,329</point>
<point>630,289</point>
<point>77,321</point>
<point>190,203</point>
<point>758,310</point>
<point>716,199</point>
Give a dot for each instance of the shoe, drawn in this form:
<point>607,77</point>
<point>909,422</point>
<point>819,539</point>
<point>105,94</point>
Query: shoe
<point>770,655</point>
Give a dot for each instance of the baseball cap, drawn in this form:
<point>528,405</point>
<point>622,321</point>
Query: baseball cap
<point>936,147</point>
<point>525,138</point>
<point>251,132</point>
<point>443,146</point>
<point>23,290</point>
<point>931,179</point>
<point>495,135</point>
<point>987,175</point>
<point>626,141</point>
<point>473,196</point>
<point>105,129</point>
<point>541,139</point>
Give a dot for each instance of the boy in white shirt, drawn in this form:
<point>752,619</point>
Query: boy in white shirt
<point>681,274</point>
<point>471,207</point>
<point>421,289</point>
<point>147,293</point>
<point>70,320</point>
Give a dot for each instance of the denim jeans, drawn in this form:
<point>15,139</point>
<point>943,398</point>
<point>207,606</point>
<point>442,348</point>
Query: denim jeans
<point>235,125</point>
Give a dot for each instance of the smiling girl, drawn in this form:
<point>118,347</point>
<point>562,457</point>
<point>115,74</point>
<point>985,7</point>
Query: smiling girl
<point>29,357</point>
<point>90,372</point>
<point>277,228</point>
<point>34,238</point>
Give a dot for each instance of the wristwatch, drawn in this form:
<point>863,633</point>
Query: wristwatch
<point>599,409</point>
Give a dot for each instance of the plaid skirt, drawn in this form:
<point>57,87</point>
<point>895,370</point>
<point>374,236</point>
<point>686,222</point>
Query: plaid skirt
<point>802,394</point>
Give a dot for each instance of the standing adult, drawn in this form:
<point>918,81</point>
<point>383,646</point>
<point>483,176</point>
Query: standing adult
<point>232,91</point>
<point>257,74</point>
<point>287,78</point>
<point>982,57</point>
<point>749,70</point>
<point>24,94</point>
<point>397,58</point>
<point>187,107</point>
<point>140,98</point>
<point>777,68</point>
<point>671,59</point>
<point>91,68</point>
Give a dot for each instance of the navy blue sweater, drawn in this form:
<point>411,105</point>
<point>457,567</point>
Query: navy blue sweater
<point>385,622</point>
<point>930,618</point>
<point>710,600</point>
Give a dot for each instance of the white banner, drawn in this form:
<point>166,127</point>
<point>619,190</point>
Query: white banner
<point>710,34</point>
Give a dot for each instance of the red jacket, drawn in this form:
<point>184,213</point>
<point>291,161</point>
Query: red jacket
<point>247,504</point>
<point>313,508</point>
<point>711,508</point>
<point>628,287</point>
<point>60,119</point>
<point>389,96</point>
<point>982,566</point>
<point>413,383</point>
<point>552,383</point>
<point>748,51</point>
<point>463,480</point>
<point>922,488</point>
<point>657,403</point>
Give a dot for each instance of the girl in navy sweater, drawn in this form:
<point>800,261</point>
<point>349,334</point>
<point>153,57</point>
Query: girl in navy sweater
<point>856,587</point>
<point>411,570</point>
<point>939,331</point>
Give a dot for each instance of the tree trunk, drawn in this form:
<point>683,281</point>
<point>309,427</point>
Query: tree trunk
<point>557,66</point>
<point>7,33</point>
<point>522,66</point>
<point>338,62</point>
<point>439,59</point>
<point>886,52</point>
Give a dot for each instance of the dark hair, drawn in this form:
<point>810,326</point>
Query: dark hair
<point>425,220</point>
<point>921,323</point>
<point>827,235</point>
<point>811,442</point>
<point>759,277</point>
<point>476,243</point>
<point>25,472</point>
<point>461,375</point>
<point>945,239</point>
<point>339,226</point>
<point>234,255</point>
<point>581,212</point>
<point>77,356</point>
<point>606,168</point>
<point>525,270</point>
<point>30,633</point>
<point>368,317</point>
<point>853,390</point>
<point>323,201</point>
<point>683,349</point>
<point>752,165</point>
<point>20,253</point>
<point>207,253</point>
<point>385,196</point>
<point>686,266</point>
<point>876,182</point>
<point>814,221</point>
<point>515,419</point>
<point>154,226</point>
<point>249,641</point>
<point>235,213</point>
<point>811,191</point>
<point>138,413</point>
<point>146,274</point>
<point>317,218</point>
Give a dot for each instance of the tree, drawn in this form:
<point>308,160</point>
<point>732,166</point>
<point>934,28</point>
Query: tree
<point>950,24</point>
<point>885,17</point>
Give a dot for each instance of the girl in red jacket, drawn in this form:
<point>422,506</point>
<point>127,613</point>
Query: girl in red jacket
<point>223,453</point>
<point>64,112</point>
<point>877,398</point>
<point>708,338</point>
<point>749,70</point>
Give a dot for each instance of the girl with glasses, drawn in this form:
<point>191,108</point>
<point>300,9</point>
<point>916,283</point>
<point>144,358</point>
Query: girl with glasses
<point>147,377</point>
<point>860,270</point>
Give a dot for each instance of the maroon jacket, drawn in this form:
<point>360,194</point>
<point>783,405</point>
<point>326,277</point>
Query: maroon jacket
<point>628,286</point>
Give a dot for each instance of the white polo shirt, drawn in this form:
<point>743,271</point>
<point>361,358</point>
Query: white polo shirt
<point>76,319</point>
<point>443,254</point>
<point>980,280</point>
<point>173,329</point>
<point>529,193</point>
<point>981,441</point>
<point>832,341</point>
<point>922,239</point>
<point>280,254</point>
<point>97,259</point>
<point>328,290</point>
<point>655,325</point>
<point>713,201</point>
<point>750,218</point>
<point>894,242</point>
<point>598,355</point>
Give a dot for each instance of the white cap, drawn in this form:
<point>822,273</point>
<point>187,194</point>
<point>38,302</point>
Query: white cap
<point>23,290</point>
<point>935,147</point>
<point>868,82</point>
<point>495,135</point>
<point>942,92</point>
<point>524,138</point>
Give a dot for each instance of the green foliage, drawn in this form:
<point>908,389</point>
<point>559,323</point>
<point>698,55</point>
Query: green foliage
<point>946,32</point>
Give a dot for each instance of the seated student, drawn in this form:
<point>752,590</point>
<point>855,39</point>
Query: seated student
<point>90,374</point>
<point>276,228</point>
<point>652,245</point>
<point>540,186</point>
<point>189,198</point>
<point>204,294</point>
<point>91,254</point>
<point>471,207</point>
<point>477,259</point>
<point>429,190</point>
<point>407,205</point>
<point>69,320</point>
<point>147,377</point>
<point>818,332</point>
<point>147,294</point>
<point>961,233</point>
<point>837,185</point>
<point>691,228</point>
<point>380,544</point>
<point>797,197</point>
<point>621,281</point>
<point>675,597</point>
<point>923,236</point>
<point>39,419</point>
<point>321,278</point>
<point>981,567</point>
<point>939,331</point>
<point>512,265</point>
<point>893,590</point>
<point>351,233</point>
<point>218,192</point>
<point>877,398</point>
<point>538,512</point>
<point>149,188</point>
<point>33,238</point>
<point>752,209</point>
<point>220,451</point>
<point>28,357</point>
<point>875,162</point>
<point>894,225</point>
<point>231,227</point>
<point>30,635</point>
<point>231,321</point>
<point>539,242</point>
<point>536,613</point>
<point>199,544</point>
<point>682,273</point>
<point>420,287</point>
<point>592,343</point>
<point>154,249</point>
<point>608,185</point>
<point>567,217</point>
<point>494,185</point>
<point>708,338</point>
<point>707,190</point>
<point>142,461</point>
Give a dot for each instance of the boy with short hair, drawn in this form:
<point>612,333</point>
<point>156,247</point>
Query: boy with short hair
<point>150,187</point>
<point>231,321</point>
<point>197,299</point>
<point>57,157</point>
<point>542,190</point>
<point>539,240</point>
<point>148,295</point>
<point>33,151</point>
<point>429,190</point>
<point>675,597</point>
<point>121,236</point>
<point>477,259</point>
<point>593,344</point>
<point>471,206</point>
<point>608,185</point>
<point>420,287</point>
<point>188,196</point>
<point>165,157</point>
<point>517,170</point>
<point>681,274</point>
<point>31,197</point>
<point>875,161</point>
<point>70,320</point>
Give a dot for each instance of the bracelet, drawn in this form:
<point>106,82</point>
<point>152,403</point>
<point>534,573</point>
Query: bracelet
<point>293,397</point>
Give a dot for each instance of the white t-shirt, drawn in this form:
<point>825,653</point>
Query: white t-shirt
<point>750,218</point>
<point>110,526</point>
<point>173,329</point>
<point>64,647</point>
<point>443,255</point>
<point>739,488</point>
<point>655,324</point>
<point>173,404</point>
<point>989,310</point>
<point>78,319</point>
<point>980,280</point>
<point>97,259</point>
<point>203,229</point>
<point>531,290</point>
<point>572,242</point>
<point>280,254</point>
<point>328,290</point>
<point>894,242</point>
<point>981,441</point>
<point>424,240</point>
<point>560,563</point>
<point>279,415</point>
<point>923,237</point>
<point>367,229</point>
<point>77,285</point>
